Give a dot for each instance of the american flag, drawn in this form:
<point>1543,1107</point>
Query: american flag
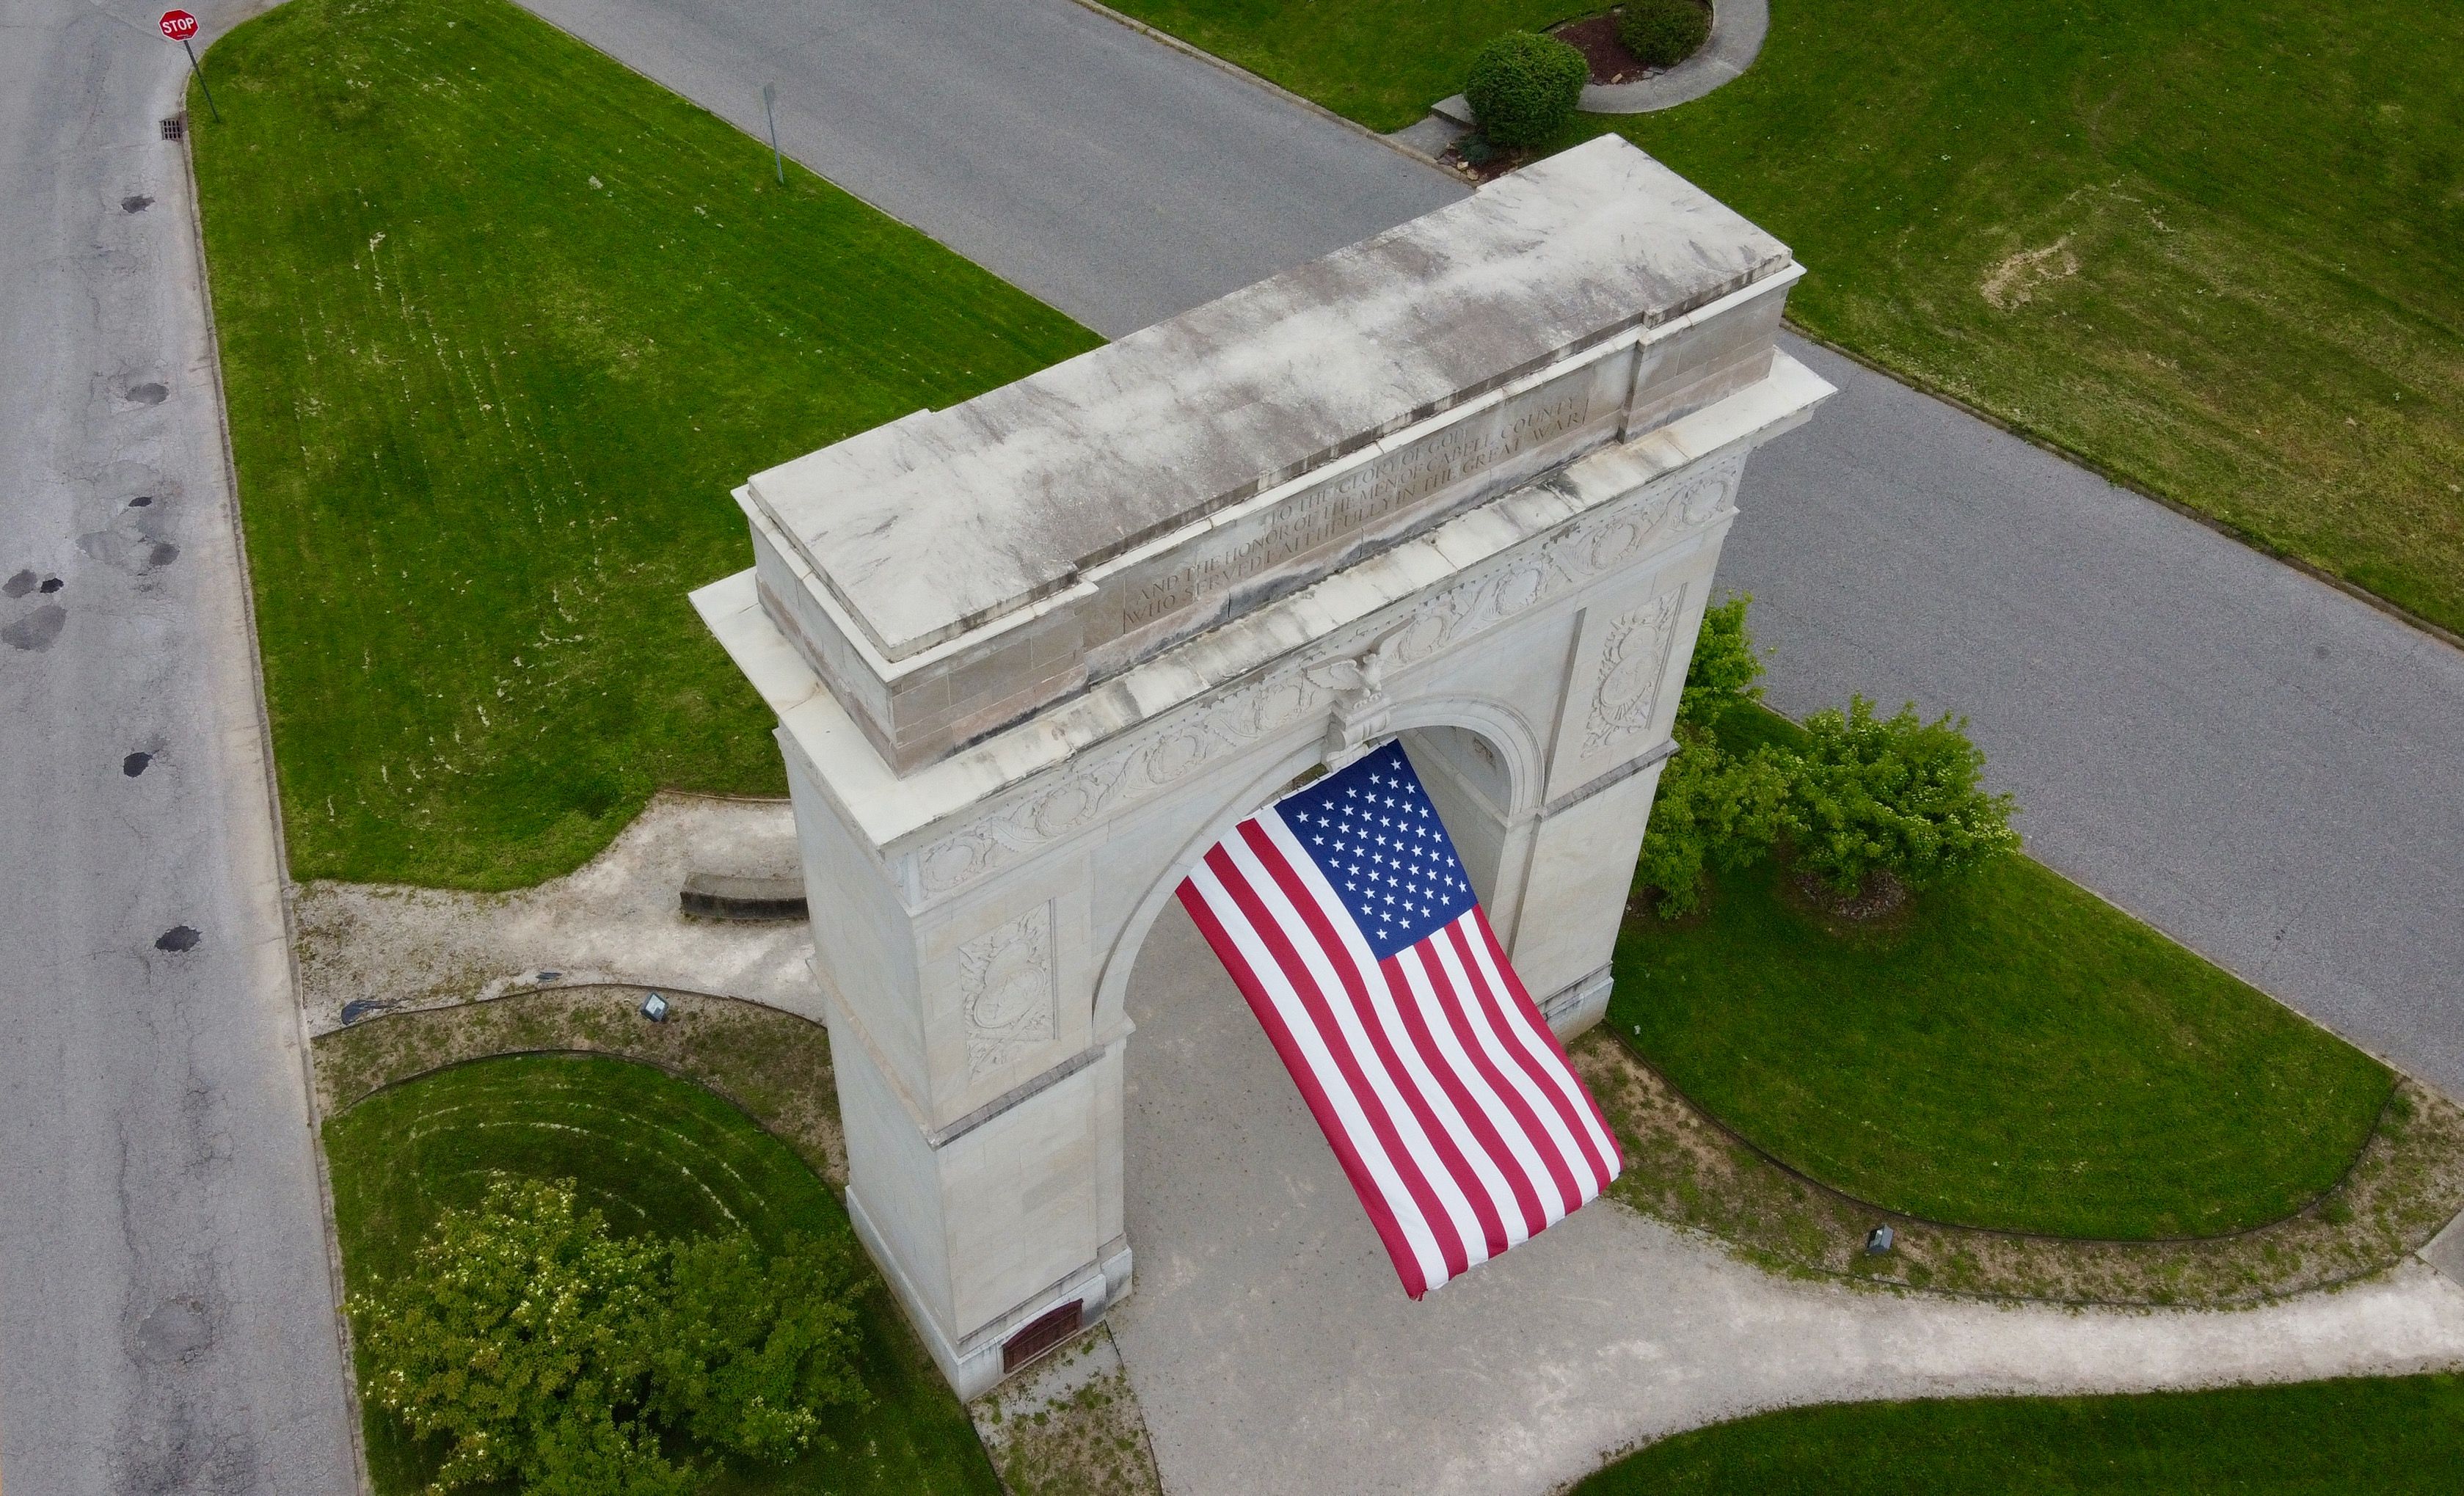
<point>1345,917</point>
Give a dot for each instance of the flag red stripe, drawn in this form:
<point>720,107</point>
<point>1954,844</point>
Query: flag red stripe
<point>1317,1001</point>
<point>1372,1195</point>
<point>1590,1129</point>
<point>1527,1164</point>
<point>1305,903</point>
<point>1474,1110</point>
<point>1475,1019</point>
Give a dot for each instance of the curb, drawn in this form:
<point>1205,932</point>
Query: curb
<point>1738,30</point>
<point>286,889</point>
<point>1190,50</point>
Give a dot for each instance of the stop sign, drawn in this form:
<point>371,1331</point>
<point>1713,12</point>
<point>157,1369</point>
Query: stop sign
<point>178,25</point>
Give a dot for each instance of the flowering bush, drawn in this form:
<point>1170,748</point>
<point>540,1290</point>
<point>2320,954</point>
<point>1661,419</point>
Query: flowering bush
<point>549,1352</point>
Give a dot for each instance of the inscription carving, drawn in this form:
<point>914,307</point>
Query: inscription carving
<point>1360,499</point>
<point>1007,990</point>
<point>1109,780</point>
<point>1634,660</point>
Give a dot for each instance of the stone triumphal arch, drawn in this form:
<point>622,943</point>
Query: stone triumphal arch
<point>1464,482</point>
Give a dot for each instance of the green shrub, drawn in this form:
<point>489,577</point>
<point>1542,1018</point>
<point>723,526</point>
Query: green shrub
<point>1721,676</point>
<point>550,1354</point>
<point>1663,32</point>
<point>1899,795</point>
<point>1714,810</point>
<point>1524,87</point>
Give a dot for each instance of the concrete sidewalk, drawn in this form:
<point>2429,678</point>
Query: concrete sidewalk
<point>383,948</point>
<point>1272,1349</point>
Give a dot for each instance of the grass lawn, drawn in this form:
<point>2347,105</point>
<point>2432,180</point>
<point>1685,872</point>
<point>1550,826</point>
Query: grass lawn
<point>503,325</point>
<point>2009,1052</point>
<point>654,1154</point>
<point>2215,247</point>
<point>1381,62</point>
<point>2383,1436</point>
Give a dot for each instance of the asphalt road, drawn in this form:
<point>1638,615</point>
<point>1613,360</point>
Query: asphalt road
<point>166,1312</point>
<point>1111,176</point>
<point>2259,765</point>
<point>2251,760</point>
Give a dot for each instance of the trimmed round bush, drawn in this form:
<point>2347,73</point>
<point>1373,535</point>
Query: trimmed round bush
<point>1524,87</point>
<point>1663,32</point>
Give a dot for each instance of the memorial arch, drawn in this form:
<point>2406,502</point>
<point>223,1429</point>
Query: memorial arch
<point>1464,483</point>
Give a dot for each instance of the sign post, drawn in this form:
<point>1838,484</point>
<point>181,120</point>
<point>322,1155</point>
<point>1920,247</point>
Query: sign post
<point>180,26</point>
<point>770,110</point>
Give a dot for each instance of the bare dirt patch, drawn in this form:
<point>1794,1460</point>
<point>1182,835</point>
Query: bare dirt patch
<point>774,1065</point>
<point>1683,1167</point>
<point>1071,1426</point>
<point>2013,280</point>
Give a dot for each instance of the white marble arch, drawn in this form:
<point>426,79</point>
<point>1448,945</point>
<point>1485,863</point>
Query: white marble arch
<point>1463,483</point>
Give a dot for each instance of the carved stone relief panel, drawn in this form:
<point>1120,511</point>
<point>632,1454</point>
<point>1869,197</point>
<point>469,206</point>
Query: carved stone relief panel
<point>1006,991</point>
<point>1625,682</point>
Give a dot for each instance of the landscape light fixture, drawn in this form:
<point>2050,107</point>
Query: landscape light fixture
<point>654,1008</point>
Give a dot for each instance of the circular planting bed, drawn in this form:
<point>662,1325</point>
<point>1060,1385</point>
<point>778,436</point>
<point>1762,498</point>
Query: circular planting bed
<point>655,1154</point>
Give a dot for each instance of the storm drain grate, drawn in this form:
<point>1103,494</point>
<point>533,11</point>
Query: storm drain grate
<point>176,127</point>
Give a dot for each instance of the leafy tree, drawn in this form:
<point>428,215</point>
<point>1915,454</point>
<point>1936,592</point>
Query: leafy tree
<point>1524,87</point>
<point>754,1348</point>
<point>551,1354</point>
<point>1721,676</point>
<point>1714,810</point>
<point>1898,796</point>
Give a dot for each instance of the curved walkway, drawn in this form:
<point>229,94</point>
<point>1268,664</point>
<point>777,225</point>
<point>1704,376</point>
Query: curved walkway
<point>1738,28</point>
<point>366,949</point>
<point>1271,1350</point>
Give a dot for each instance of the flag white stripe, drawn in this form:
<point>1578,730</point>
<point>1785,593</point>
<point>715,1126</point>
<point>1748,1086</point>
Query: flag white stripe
<point>1511,1128</point>
<point>1550,1064</point>
<point>1381,997</point>
<point>1348,1113</point>
<point>1511,1066</point>
<point>1458,1119</point>
<point>1338,999</point>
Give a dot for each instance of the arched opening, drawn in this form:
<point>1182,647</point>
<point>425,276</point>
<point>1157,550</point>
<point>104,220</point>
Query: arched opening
<point>1229,1190</point>
<point>1479,778</point>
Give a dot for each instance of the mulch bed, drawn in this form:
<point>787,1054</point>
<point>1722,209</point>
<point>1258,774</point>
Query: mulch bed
<point>1596,39</point>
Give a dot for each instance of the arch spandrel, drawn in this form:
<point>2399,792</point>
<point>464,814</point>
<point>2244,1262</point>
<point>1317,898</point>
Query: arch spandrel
<point>1000,784</point>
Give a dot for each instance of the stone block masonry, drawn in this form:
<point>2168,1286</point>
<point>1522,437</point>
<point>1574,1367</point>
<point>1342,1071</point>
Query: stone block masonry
<point>1463,483</point>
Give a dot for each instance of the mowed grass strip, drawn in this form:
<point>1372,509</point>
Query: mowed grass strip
<point>1379,62</point>
<point>2386,1436</point>
<point>503,325</point>
<point>2216,248</point>
<point>656,1156</point>
<point>2009,1052</point>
